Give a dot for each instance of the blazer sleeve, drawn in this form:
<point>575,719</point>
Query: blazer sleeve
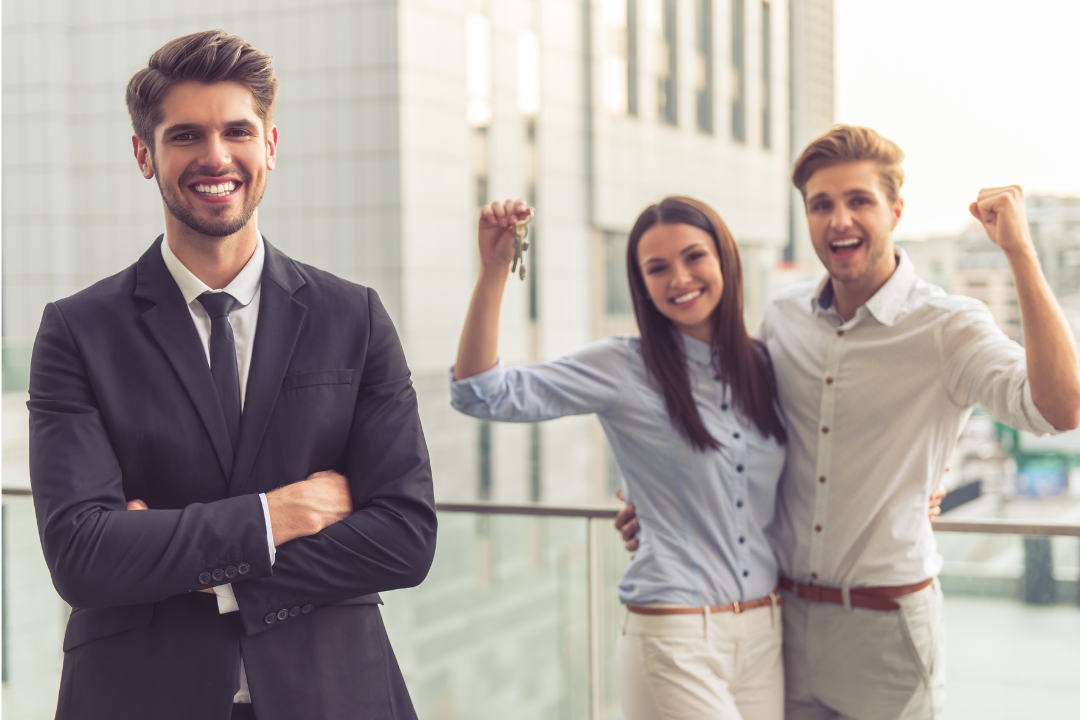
<point>99,553</point>
<point>389,541</point>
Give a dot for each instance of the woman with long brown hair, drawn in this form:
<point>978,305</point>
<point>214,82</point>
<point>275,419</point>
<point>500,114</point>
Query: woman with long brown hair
<point>689,408</point>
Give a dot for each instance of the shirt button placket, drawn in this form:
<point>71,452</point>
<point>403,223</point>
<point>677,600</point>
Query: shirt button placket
<point>742,508</point>
<point>826,438</point>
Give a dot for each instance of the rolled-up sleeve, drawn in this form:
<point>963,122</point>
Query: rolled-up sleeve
<point>588,381</point>
<point>984,367</point>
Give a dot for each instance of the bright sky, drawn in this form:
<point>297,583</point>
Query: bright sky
<point>976,92</point>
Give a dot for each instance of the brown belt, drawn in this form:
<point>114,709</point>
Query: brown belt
<point>873,598</point>
<point>736,607</point>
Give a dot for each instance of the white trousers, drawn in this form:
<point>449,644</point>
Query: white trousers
<point>721,666</point>
<point>860,664</point>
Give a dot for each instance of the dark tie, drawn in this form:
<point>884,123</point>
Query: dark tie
<point>223,358</point>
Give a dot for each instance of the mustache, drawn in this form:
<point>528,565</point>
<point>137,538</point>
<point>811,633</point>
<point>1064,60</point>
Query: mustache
<point>190,174</point>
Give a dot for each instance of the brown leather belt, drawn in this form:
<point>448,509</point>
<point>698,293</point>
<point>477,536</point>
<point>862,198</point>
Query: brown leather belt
<point>736,607</point>
<point>873,598</point>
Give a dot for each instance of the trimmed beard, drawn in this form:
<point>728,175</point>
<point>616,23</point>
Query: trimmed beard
<point>212,227</point>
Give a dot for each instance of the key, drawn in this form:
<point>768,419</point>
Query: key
<point>521,231</point>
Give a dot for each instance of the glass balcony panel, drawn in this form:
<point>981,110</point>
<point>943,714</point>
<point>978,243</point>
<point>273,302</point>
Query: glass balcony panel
<point>519,617</point>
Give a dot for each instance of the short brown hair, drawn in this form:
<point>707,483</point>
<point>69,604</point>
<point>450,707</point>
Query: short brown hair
<point>848,143</point>
<point>210,56</point>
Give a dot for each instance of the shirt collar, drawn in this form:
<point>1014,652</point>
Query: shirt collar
<point>243,286</point>
<point>888,303</point>
<point>699,352</point>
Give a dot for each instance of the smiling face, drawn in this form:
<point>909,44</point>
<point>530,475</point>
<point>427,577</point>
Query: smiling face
<point>211,157</point>
<point>851,220</point>
<point>682,275</point>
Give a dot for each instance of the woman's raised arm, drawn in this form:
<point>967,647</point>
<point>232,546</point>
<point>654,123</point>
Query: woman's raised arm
<point>478,349</point>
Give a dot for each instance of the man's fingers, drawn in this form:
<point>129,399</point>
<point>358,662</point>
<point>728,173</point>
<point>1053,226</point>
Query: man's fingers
<point>619,494</point>
<point>137,505</point>
<point>632,545</point>
<point>624,516</point>
<point>630,530</point>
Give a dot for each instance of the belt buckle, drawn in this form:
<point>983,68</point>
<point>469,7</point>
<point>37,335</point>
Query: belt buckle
<point>736,607</point>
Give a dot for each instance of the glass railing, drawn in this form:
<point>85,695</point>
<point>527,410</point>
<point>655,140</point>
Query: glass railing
<point>519,617</point>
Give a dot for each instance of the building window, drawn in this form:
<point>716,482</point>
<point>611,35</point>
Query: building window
<point>738,70</point>
<point>478,96</point>
<point>478,69</point>
<point>662,22</point>
<point>704,65</point>
<point>617,287</point>
<point>528,58</point>
<point>766,75</point>
<point>620,56</point>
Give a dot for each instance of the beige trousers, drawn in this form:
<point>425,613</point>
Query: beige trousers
<point>723,666</point>
<point>859,664</point>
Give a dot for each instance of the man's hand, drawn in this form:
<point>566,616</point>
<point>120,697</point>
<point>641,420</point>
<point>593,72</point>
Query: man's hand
<point>1001,212</point>
<point>626,522</point>
<point>935,500</point>
<point>306,507</point>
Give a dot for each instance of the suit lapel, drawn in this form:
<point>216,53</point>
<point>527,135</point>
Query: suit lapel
<point>281,318</point>
<point>169,322</point>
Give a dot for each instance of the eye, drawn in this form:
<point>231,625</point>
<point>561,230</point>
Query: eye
<point>654,269</point>
<point>695,256</point>
<point>821,206</point>
<point>239,132</point>
<point>184,137</point>
<point>860,201</point>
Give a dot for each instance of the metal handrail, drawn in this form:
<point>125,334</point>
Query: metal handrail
<point>990,526</point>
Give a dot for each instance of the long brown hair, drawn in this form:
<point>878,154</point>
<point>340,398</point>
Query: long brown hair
<point>739,360</point>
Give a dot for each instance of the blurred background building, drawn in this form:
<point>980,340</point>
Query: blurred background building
<point>397,120</point>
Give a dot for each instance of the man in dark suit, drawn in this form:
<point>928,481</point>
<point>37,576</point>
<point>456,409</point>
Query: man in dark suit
<point>161,423</point>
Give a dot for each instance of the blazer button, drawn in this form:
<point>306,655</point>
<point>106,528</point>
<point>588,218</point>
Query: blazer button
<point>307,608</point>
<point>230,572</point>
<point>204,578</point>
<point>219,575</point>
<point>243,568</point>
<point>282,614</point>
<point>294,611</point>
<point>270,618</point>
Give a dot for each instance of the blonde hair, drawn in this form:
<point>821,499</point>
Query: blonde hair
<point>849,143</point>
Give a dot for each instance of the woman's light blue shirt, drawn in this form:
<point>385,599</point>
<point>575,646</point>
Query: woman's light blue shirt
<point>703,514</point>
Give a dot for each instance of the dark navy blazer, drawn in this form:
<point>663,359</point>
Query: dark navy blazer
<point>123,406</point>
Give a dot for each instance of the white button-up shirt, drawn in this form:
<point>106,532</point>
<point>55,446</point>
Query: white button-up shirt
<point>246,288</point>
<point>874,407</point>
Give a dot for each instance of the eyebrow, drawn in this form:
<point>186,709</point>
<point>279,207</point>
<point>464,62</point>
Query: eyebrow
<point>188,127</point>
<point>846,193</point>
<point>685,250</point>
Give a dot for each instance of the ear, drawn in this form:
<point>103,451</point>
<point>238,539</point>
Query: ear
<point>143,156</point>
<point>897,211</point>
<point>271,147</point>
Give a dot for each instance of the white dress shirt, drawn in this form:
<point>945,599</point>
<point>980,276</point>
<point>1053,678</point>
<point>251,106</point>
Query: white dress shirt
<point>246,287</point>
<point>874,406</point>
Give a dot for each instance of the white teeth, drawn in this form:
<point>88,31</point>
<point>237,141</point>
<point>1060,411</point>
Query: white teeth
<point>219,189</point>
<point>849,242</point>
<point>688,296</point>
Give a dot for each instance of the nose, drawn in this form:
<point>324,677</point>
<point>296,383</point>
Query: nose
<point>680,275</point>
<point>216,153</point>
<point>841,217</point>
